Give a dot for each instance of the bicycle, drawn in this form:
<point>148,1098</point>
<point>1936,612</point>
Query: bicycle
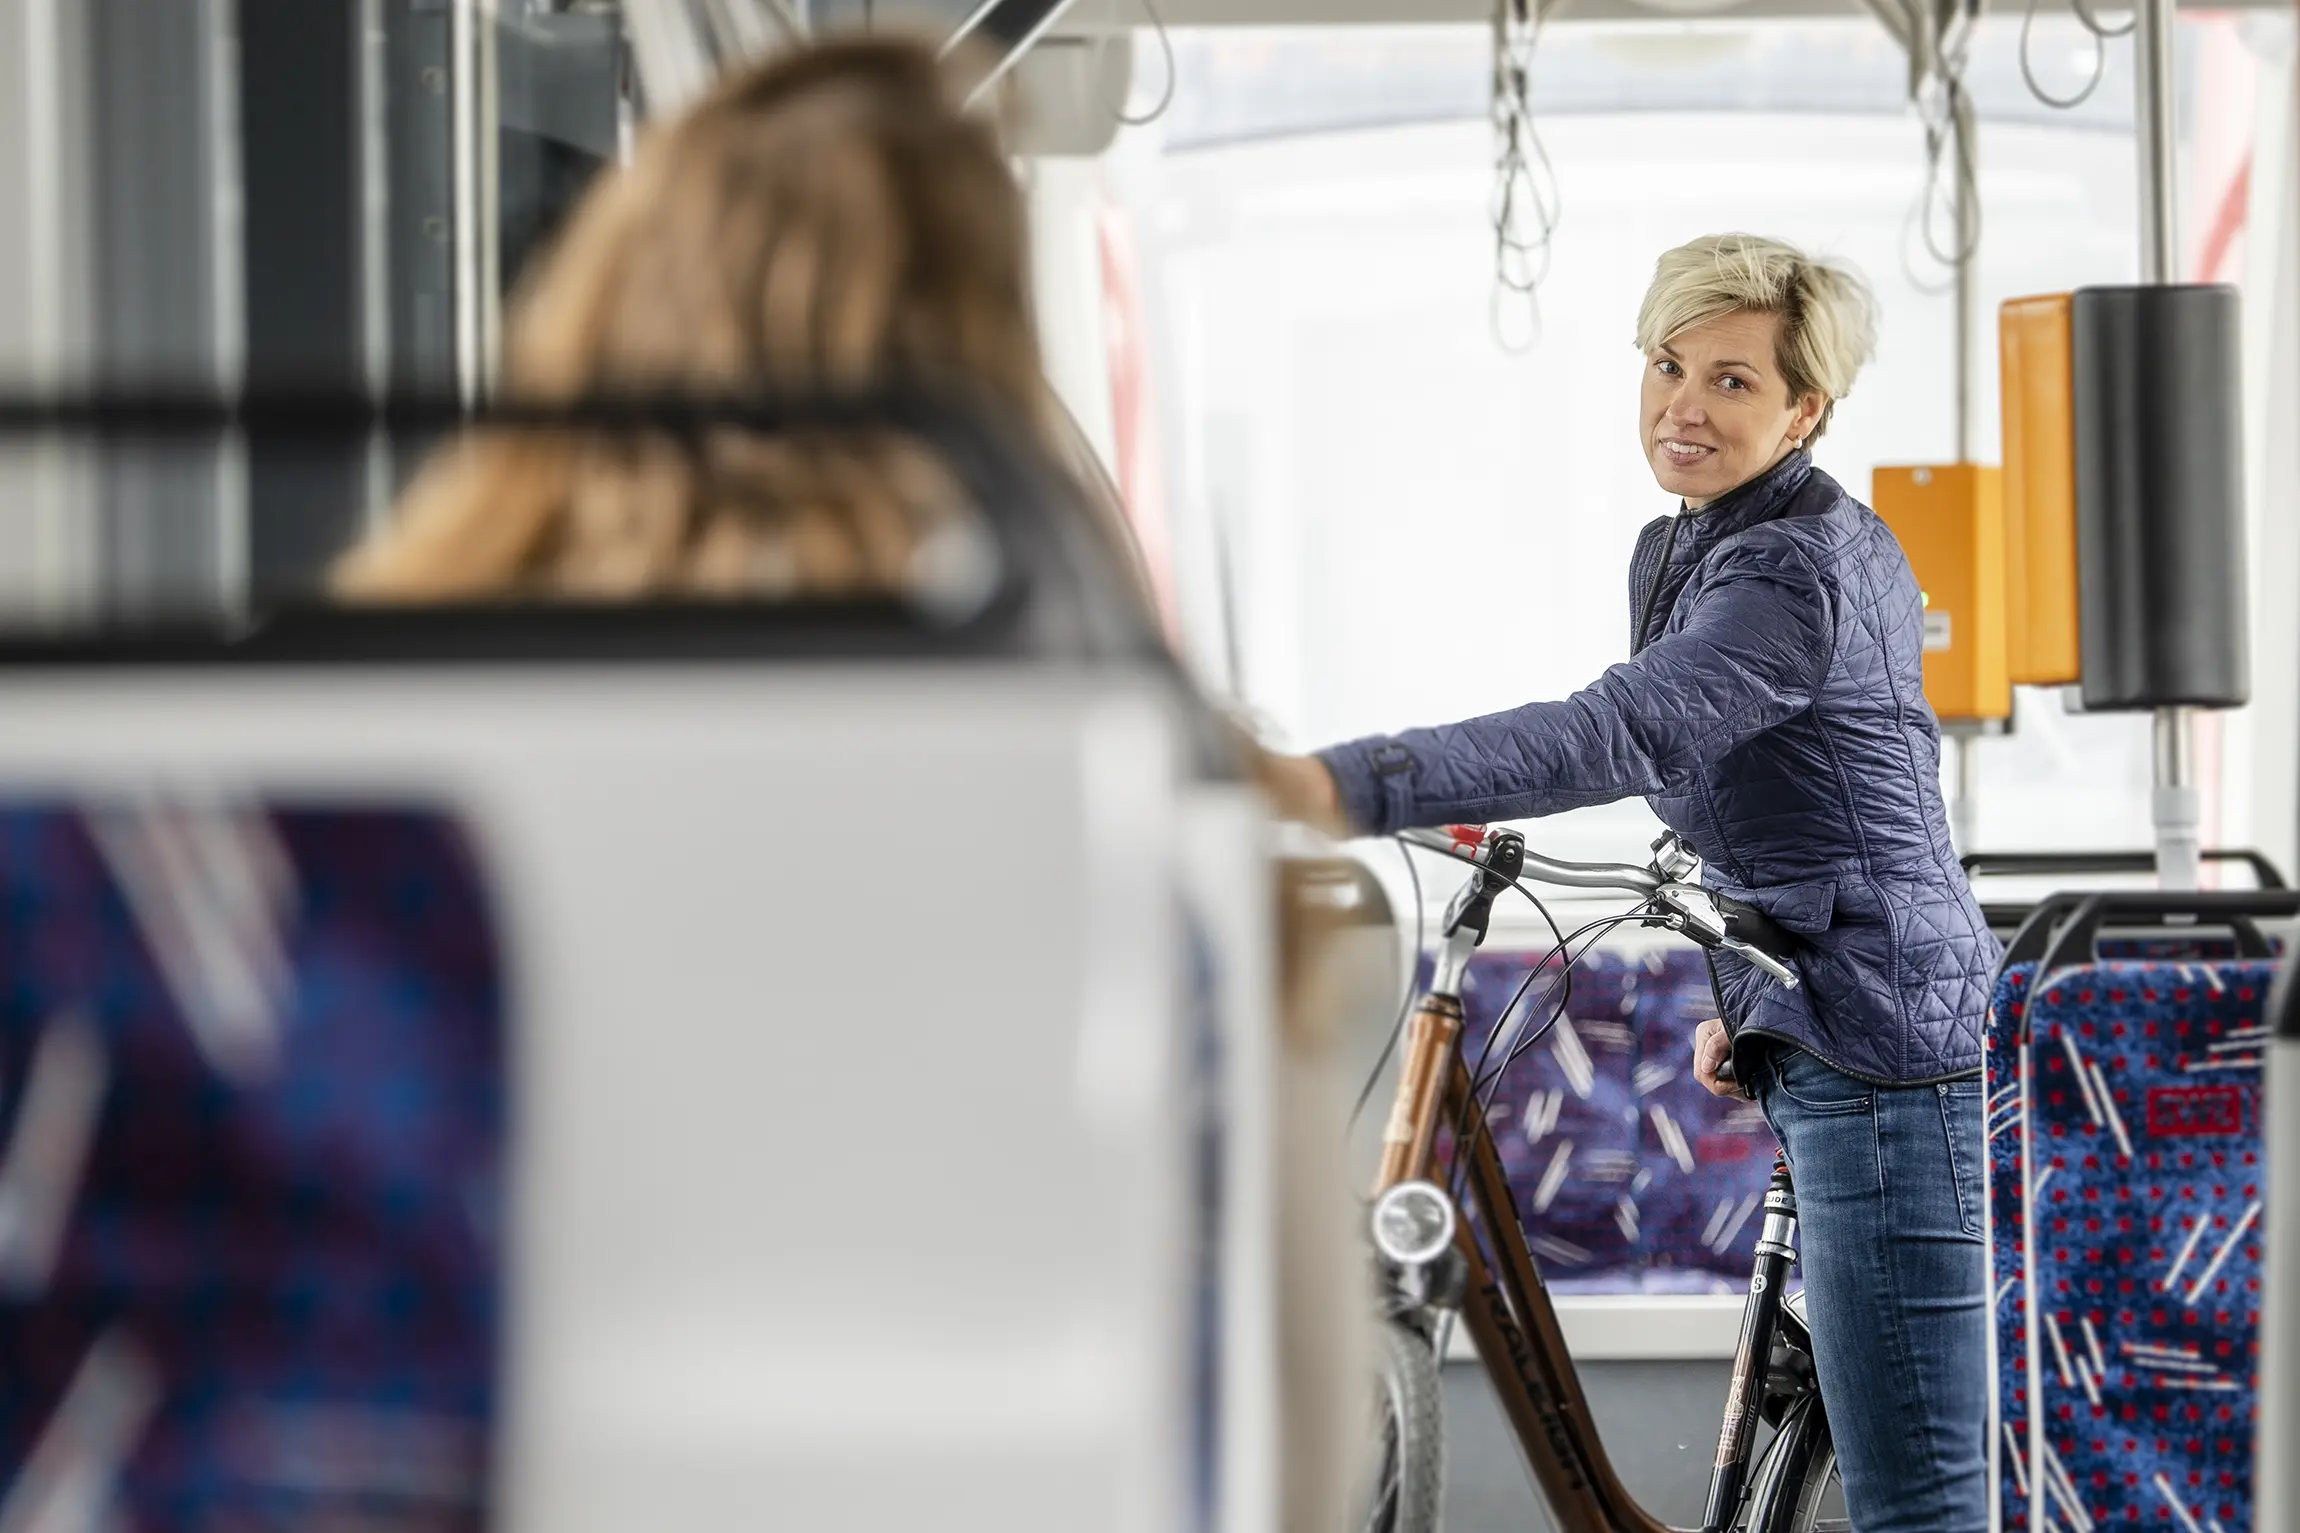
<point>1432,1263</point>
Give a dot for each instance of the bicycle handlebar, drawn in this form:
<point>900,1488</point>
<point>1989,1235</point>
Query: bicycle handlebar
<point>1710,919</point>
<point>1621,876</point>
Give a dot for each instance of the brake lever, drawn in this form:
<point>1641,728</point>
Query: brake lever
<point>1763,960</point>
<point>1695,911</point>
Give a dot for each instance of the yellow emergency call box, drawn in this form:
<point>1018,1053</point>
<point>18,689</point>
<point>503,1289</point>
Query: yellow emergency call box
<point>2039,406</point>
<point>1950,522</point>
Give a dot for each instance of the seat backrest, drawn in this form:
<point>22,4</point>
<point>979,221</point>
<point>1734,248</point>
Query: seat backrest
<point>850,1123</point>
<point>2141,1317</point>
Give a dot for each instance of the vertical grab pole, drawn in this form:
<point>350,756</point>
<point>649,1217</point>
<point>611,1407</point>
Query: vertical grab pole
<point>2154,124</point>
<point>1963,740</point>
<point>2176,800</point>
<point>1965,808</point>
<point>2174,805</point>
<point>1967,248</point>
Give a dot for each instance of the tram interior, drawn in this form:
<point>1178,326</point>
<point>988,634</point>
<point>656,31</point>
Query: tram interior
<point>856,1068</point>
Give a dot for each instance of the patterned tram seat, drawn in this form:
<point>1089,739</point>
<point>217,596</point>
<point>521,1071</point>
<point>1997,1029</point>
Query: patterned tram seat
<point>1709,1157</point>
<point>1561,1113</point>
<point>251,1118</point>
<point>2136,1349</point>
<point>1627,1175</point>
<point>2002,1041</point>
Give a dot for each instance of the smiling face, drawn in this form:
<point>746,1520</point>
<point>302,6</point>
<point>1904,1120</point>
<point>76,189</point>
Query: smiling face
<point>1715,410</point>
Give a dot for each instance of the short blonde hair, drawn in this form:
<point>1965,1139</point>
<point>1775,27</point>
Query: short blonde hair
<point>1828,315</point>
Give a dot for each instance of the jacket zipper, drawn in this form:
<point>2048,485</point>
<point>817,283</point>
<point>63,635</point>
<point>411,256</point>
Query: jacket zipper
<point>1653,591</point>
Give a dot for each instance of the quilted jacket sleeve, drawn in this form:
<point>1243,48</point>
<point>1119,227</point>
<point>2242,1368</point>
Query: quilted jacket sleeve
<point>1751,654</point>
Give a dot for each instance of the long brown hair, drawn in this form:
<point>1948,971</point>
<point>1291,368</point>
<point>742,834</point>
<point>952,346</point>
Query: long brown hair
<point>827,221</point>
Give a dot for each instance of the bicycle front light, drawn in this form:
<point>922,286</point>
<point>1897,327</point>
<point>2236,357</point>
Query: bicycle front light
<point>1413,1223</point>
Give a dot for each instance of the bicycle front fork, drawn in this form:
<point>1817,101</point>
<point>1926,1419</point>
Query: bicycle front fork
<point>1752,1359</point>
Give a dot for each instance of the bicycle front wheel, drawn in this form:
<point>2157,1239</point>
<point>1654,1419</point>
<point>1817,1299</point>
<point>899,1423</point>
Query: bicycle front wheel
<point>1793,1482</point>
<point>1406,1475</point>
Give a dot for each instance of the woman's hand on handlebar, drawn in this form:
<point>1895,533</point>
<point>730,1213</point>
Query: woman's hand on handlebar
<point>1301,788</point>
<point>1711,1049</point>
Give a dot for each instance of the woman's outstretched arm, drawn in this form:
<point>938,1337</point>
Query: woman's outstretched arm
<point>1751,655</point>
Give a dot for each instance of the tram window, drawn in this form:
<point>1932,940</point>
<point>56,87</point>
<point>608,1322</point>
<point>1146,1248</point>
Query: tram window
<point>1382,517</point>
<point>561,114</point>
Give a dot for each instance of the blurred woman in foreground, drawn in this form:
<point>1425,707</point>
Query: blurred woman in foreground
<point>830,221</point>
<point>826,223</point>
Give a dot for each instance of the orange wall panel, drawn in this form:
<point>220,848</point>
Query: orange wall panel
<point>2039,490</point>
<point>1950,522</point>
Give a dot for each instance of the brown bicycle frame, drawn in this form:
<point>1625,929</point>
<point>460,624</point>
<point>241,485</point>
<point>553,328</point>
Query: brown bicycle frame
<point>1506,1305</point>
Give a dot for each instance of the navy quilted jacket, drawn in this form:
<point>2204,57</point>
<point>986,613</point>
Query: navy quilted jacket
<point>1773,714</point>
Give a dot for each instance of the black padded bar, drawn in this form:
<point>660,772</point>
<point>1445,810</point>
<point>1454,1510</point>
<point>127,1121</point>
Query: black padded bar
<point>2237,913</point>
<point>2089,864</point>
<point>2035,927</point>
<point>537,633</point>
<point>1057,591</point>
<point>337,413</point>
<point>2159,497</point>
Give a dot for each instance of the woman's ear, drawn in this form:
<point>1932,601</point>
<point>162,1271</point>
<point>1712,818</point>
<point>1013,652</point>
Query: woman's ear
<point>1810,408</point>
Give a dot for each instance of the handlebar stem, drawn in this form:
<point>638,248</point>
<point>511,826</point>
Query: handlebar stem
<point>1452,962</point>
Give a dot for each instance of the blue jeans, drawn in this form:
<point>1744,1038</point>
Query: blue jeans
<point>1889,1216</point>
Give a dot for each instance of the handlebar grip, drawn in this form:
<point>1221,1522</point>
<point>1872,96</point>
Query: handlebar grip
<point>1747,923</point>
<point>1758,938</point>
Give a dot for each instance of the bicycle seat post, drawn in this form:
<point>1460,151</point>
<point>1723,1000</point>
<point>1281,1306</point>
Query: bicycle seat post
<point>1760,1320</point>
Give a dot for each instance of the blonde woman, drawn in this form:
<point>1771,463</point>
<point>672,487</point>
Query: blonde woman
<point>1772,712</point>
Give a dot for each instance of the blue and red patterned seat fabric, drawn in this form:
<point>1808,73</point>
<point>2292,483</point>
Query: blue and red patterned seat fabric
<point>2140,1302</point>
<point>252,1104</point>
<point>1627,1174</point>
